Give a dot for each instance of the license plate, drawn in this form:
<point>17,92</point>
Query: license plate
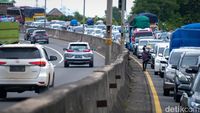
<point>78,56</point>
<point>17,68</point>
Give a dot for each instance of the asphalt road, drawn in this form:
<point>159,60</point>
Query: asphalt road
<point>167,102</point>
<point>62,75</point>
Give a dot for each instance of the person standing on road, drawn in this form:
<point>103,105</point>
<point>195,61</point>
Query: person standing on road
<point>145,58</point>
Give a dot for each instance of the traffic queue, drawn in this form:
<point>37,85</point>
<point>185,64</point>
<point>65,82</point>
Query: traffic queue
<point>176,60</point>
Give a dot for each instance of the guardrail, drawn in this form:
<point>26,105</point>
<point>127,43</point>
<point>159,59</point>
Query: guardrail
<point>104,91</point>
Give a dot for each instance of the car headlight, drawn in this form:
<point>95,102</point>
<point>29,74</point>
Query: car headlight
<point>182,77</point>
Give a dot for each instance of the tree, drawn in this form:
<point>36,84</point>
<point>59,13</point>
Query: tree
<point>116,16</point>
<point>78,16</point>
<point>189,10</point>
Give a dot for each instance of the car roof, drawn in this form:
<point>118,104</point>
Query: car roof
<point>146,39</point>
<point>30,28</point>
<point>192,53</point>
<point>39,30</point>
<point>162,44</point>
<point>22,45</point>
<point>182,49</point>
<point>78,43</point>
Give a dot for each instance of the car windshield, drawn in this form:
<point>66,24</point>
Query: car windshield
<point>98,31</point>
<point>161,50</point>
<point>166,53</point>
<point>41,32</point>
<point>78,47</point>
<point>19,53</point>
<point>174,58</point>
<point>189,61</point>
<point>143,34</point>
<point>31,30</point>
<point>142,43</point>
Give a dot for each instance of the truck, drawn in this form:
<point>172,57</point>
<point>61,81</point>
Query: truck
<point>186,36</point>
<point>9,32</point>
<point>138,21</point>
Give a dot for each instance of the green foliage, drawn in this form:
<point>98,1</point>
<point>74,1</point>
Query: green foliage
<point>116,16</point>
<point>64,18</point>
<point>173,13</point>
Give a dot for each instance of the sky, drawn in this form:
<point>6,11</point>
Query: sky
<point>93,7</point>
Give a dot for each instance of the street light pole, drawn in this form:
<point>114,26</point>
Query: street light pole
<point>83,16</point>
<point>122,25</point>
<point>45,8</point>
<point>109,32</point>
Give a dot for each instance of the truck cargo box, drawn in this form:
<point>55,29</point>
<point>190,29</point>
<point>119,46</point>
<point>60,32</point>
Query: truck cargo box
<point>187,36</point>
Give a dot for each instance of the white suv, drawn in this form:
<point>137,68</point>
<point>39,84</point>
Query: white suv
<point>159,49</point>
<point>78,53</point>
<point>25,67</point>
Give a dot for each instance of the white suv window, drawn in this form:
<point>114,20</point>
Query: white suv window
<point>19,53</point>
<point>78,47</point>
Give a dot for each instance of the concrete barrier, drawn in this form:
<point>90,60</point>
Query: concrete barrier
<point>104,91</point>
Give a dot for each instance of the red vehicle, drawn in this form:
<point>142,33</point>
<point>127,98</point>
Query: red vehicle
<point>139,32</point>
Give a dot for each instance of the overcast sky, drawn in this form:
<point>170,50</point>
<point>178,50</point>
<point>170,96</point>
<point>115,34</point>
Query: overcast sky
<point>93,7</point>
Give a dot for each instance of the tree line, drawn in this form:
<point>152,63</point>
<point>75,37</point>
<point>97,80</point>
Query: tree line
<point>171,13</point>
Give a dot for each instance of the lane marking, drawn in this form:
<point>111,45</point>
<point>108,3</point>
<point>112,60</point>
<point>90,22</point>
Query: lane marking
<point>100,54</point>
<point>157,105</point>
<point>62,58</point>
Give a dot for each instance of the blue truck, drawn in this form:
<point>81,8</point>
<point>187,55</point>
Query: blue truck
<point>186,36</point>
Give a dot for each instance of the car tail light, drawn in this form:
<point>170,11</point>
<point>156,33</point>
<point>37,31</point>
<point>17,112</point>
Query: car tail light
<point>70,50</point>
<point>39,63</point>
<point>87,50</point>
<point>2,63</point>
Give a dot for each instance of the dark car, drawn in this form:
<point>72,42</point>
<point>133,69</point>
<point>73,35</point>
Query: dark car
<point>190,99</point>
<point>28,33</point>
<point>39,36</point>
<point>181,75</point>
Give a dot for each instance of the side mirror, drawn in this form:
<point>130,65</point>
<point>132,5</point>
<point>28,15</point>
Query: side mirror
<point>52,58</point>
<point>64,49</point>
<point>174,67</point>
<point>192,69</point>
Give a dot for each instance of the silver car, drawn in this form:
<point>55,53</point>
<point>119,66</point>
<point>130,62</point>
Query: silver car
<point>78,53</point>
<point>25,67</point>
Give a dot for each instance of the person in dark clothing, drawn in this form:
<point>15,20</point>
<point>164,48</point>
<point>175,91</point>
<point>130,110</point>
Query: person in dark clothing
<point>145,58</point>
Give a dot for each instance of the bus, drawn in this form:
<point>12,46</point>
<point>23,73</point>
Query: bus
<point>17,13</point>
<point>26,14</point>
<point>34,14</point>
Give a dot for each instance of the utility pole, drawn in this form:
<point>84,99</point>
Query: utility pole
<point>109,32</point>
<point>83,16</point>
<point>36,3</point>
<point>122,25</point>
<point>45,8</point>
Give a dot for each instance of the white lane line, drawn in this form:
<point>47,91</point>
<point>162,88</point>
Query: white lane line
<point>62,58</point>
<point>100,54</point>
